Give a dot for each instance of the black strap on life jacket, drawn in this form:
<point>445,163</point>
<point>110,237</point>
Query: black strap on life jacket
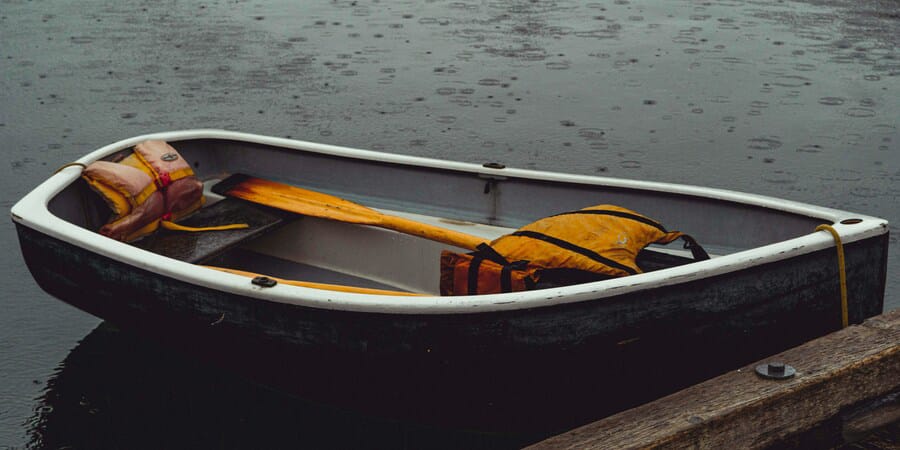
<point>696,250</point>
<point>576,249</point>
<point>506,279</point>
<point>690,243</point>
<point>625,215</point>
<point>486,252</point>
<point>474,265</point>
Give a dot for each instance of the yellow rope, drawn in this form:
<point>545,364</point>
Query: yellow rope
<point>840,254</point>
<point>175,227</point>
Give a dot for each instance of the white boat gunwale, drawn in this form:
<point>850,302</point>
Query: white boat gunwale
<point>32,211</point>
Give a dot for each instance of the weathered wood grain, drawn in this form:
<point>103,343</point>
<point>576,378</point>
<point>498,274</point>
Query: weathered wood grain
<point>741,410</point>
<point>871,416</point>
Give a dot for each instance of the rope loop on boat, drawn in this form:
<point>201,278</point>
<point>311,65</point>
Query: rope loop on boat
<point>82,165</point>
<point>841,270</point>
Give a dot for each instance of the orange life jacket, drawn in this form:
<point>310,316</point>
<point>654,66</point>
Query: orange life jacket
<point>590,244</point>
<point>152,187</point>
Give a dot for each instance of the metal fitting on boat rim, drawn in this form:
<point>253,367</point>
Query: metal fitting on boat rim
<point>265,282</point>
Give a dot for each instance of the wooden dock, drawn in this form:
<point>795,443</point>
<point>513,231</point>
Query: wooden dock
<point>846,387</point>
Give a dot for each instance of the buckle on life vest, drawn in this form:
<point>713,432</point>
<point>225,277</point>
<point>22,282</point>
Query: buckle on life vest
<point>164,180</point>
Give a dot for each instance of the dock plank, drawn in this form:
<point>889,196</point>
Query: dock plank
<point>739,409</point>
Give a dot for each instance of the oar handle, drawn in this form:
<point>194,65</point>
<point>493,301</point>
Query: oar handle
<point>431,232</point>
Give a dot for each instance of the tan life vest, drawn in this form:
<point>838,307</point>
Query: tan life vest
<point>590,244</point>
<point>152,187</point>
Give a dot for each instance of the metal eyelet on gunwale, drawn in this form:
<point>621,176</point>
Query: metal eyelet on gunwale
<point>265,282</point>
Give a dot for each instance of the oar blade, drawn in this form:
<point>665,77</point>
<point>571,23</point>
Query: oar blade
<point>296,200</point>
<point>317,204</point>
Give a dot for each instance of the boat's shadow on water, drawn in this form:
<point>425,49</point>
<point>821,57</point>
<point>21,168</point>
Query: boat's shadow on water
<point>207,390</point>
<point>116,390</point>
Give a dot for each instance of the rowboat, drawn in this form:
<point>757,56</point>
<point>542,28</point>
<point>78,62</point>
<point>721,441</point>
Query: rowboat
<point>773,279</point>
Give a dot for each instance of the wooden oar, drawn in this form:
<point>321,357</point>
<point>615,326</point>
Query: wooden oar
<point>317,204</point>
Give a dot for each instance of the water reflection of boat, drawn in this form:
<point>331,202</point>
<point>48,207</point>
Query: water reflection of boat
<point>115,390</point>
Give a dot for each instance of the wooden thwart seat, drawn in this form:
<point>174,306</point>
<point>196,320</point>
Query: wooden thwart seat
<point>199,247</point>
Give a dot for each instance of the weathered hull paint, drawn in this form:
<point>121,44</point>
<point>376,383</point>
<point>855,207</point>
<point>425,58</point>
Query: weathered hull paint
<point>760,230</point>
<point>630,348</point>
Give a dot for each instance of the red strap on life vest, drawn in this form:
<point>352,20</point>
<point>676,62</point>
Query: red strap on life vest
<point>164,180</point>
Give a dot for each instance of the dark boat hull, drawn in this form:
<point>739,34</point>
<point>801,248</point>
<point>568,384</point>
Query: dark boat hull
<point>491,369</point>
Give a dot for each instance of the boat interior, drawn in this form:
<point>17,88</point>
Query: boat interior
<point>295,247</point>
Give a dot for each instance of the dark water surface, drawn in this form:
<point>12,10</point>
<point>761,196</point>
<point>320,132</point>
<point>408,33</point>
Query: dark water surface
<point>793,99</point>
